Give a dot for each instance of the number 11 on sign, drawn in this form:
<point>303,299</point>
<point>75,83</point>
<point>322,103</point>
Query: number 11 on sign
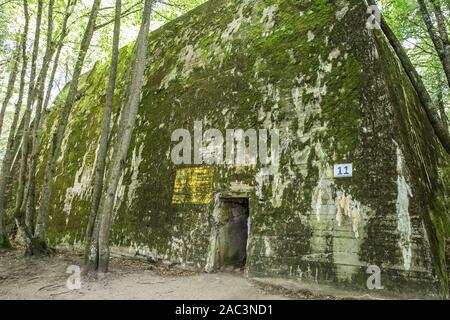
<point>344,170</point>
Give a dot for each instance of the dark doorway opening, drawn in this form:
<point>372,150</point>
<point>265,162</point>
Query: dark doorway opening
<point>233,233</point>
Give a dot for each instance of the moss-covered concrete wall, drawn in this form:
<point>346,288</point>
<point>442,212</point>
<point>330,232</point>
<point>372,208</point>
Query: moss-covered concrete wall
<point>336,92</point>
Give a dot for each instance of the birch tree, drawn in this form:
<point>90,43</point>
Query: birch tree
<point>57,137</point>
<point>441,107</point>
<point>99,255</point>
<point>38,94</point>
<point>104,136</point>
<point>19,214</point>
<point>9,152</point>
<point>425,98</point>
<point>440,36</point>
<point>35,135</point>
<point>11,83</point>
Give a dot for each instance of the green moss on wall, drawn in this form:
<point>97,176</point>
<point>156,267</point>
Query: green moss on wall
<point>334,91</point>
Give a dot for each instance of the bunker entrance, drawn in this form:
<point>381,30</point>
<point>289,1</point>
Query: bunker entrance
<point>232,233</point>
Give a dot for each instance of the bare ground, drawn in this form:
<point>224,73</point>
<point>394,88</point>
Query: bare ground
<point>45,278</point>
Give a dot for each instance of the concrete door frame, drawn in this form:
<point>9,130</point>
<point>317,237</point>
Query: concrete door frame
<point>212,255</point>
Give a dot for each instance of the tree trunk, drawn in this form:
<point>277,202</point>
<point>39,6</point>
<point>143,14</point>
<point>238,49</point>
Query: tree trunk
<point>56,60</point>
<point>11,83</point>
<point>442,27</point>
<point>128,119</point>
<point>103,148</point>
<point>9,152</point>
<point>17,142</point>
<point>418,85</point>
<point>28,205</point>
<point>92,263</point>
<point>441,107</point>
<point>18,212</point>
<point>70,4</point>
<point>440,43</point>
<point>62,124</point>
<point>38,119</point>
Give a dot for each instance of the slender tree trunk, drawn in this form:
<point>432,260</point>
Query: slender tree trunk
<point>442,27</point>
<point>18,212</point>
<point>103,148</point>
<point>440,40</point>
<point>28,205</point>
<point>17,141</point>
<point>38,120</point>
<point>9,152</point>
<point>417,83</point>
<point>128,119</point>
<point>70,4</point>
<point>92,263</point>
<point>62,124</point>
<point>54,69</point>
<point>441,107</point>
<point>11,83</point>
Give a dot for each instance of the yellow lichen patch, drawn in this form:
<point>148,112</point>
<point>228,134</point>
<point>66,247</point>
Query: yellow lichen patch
<point>193,185</point>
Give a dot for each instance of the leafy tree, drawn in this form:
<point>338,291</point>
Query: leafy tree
<point>407,22</point>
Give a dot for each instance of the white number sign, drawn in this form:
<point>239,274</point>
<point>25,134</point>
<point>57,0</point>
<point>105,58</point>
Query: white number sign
<point>344,170</point>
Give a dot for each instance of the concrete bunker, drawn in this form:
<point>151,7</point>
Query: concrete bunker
<point>306,75</point>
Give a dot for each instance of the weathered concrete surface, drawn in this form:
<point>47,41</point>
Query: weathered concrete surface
<point>336,92</point>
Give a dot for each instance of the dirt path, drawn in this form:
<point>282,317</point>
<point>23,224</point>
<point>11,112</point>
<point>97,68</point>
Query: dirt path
<point>45,278</point>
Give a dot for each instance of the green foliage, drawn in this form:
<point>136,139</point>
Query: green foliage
<point>170,10</point>
<point>12,21</point>
<point>405,20</point>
